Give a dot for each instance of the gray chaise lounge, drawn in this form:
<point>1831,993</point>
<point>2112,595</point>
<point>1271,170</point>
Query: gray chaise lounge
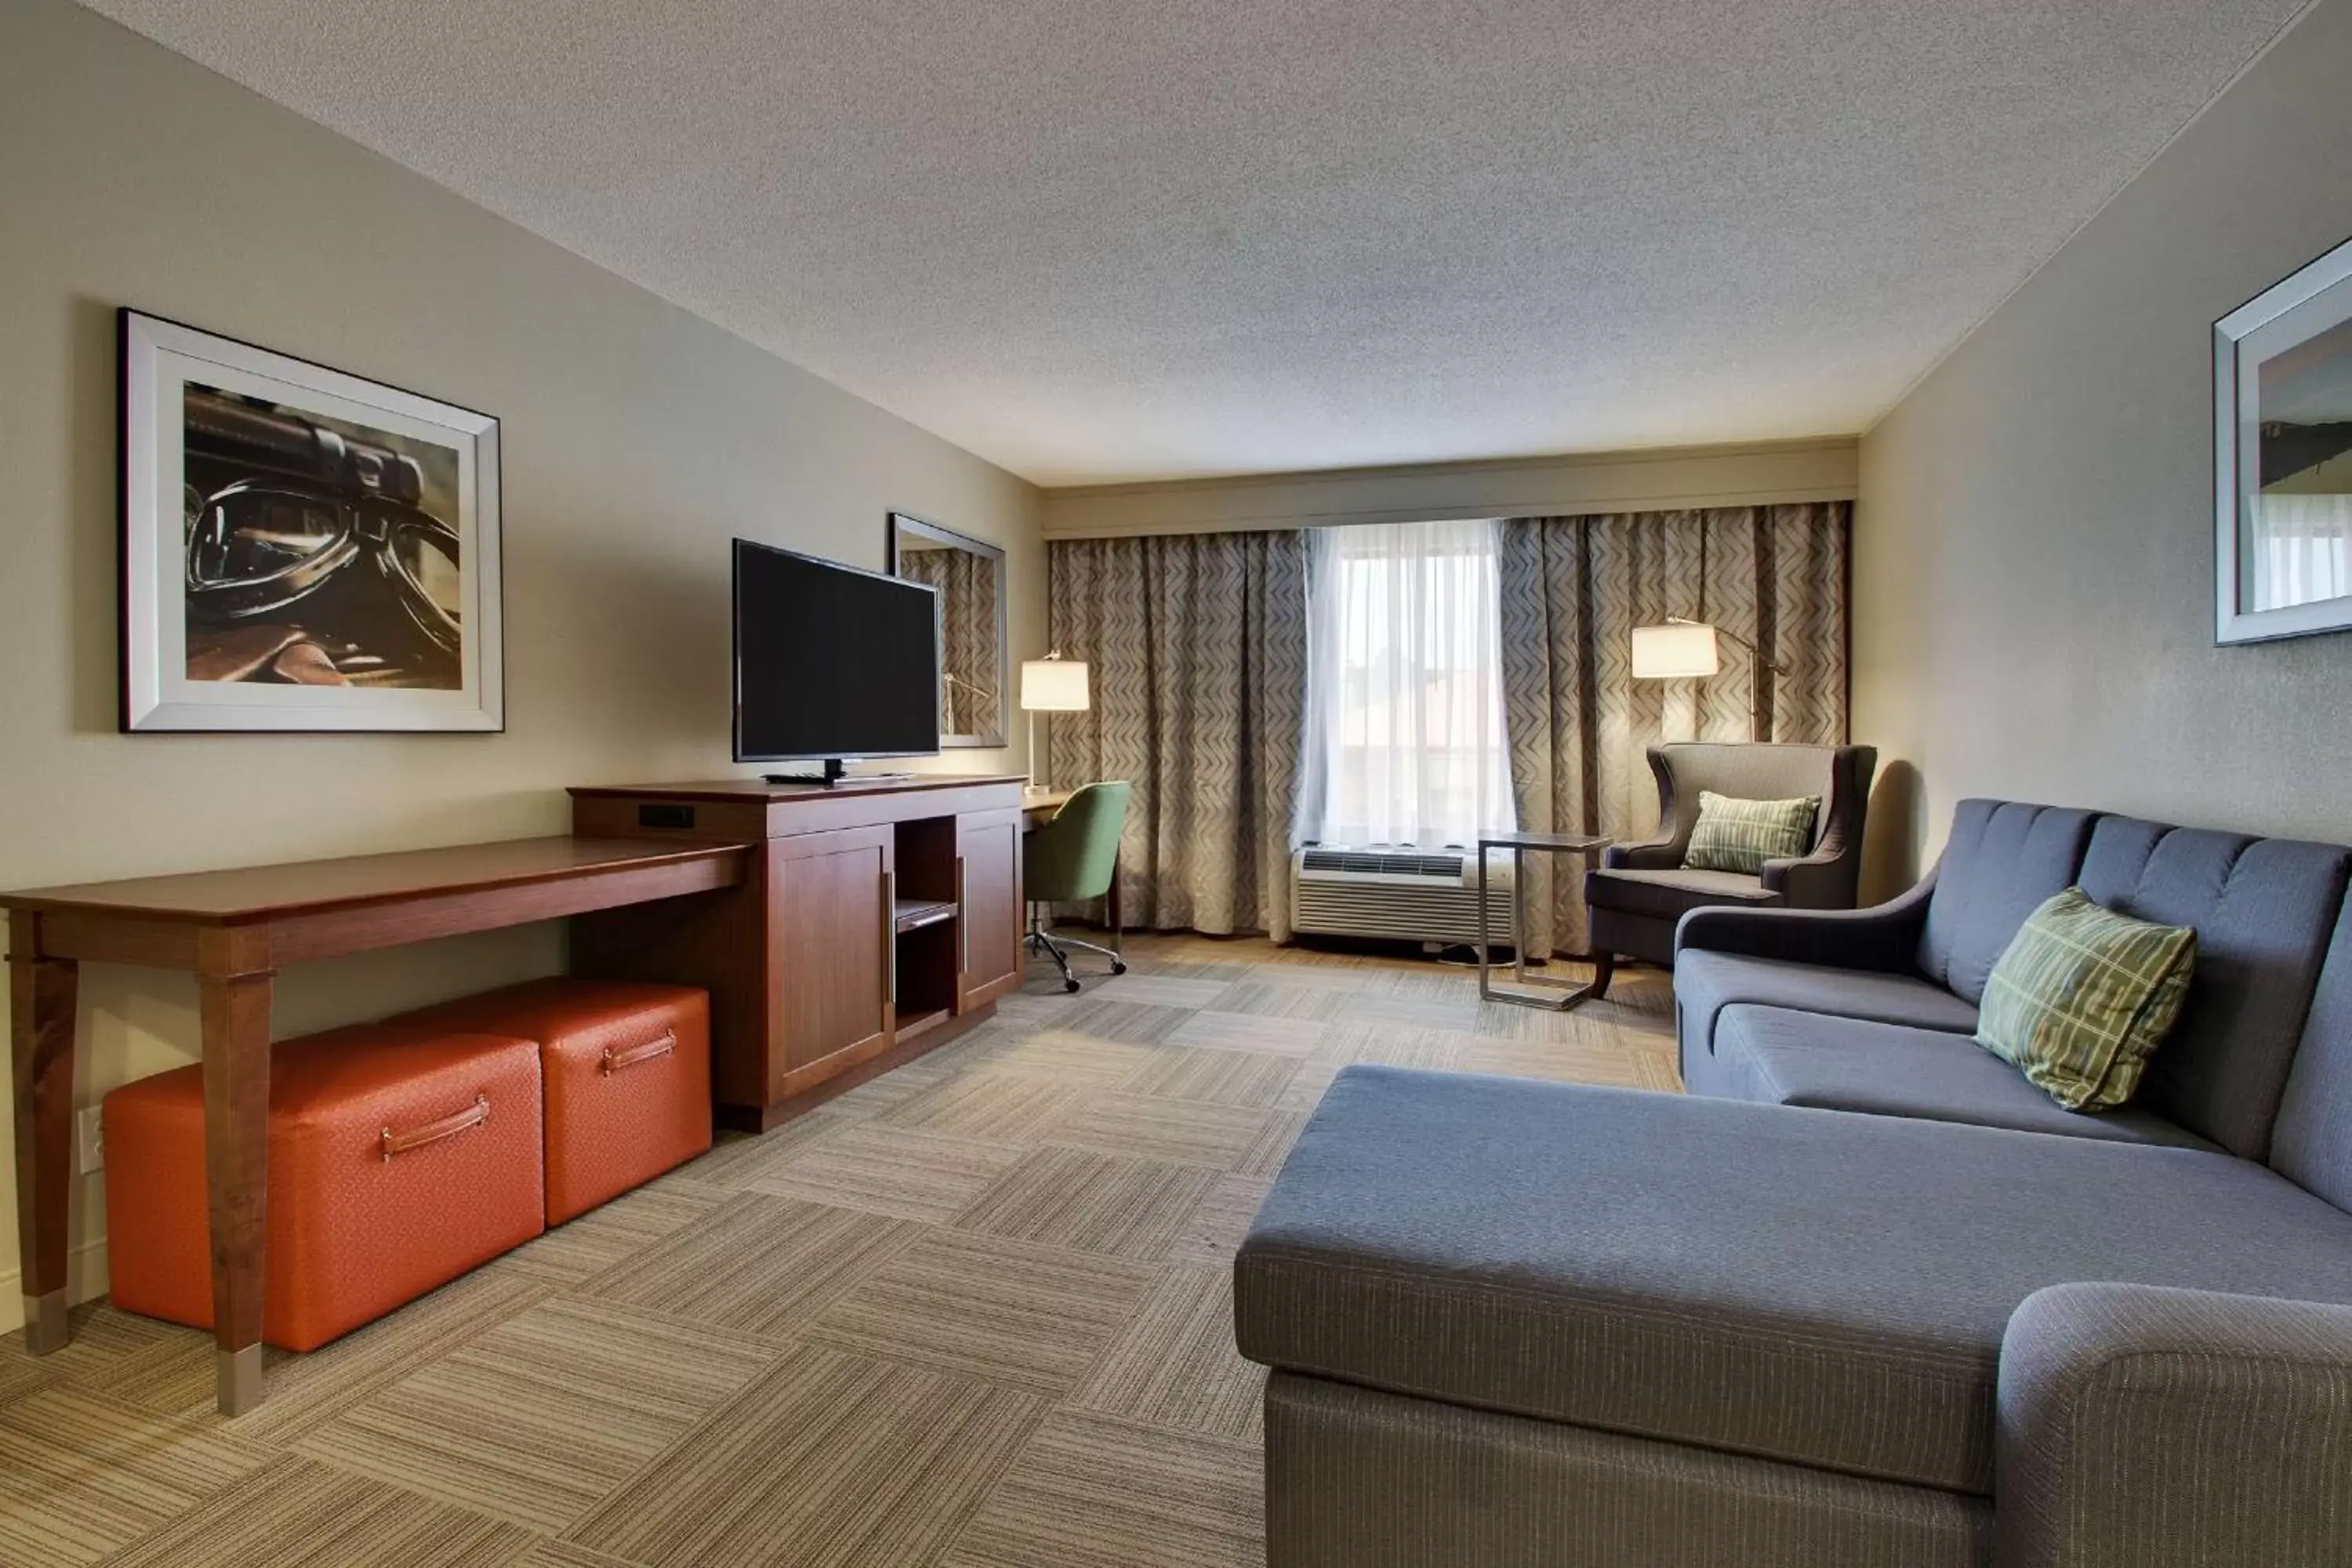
<point>1907,1313</point>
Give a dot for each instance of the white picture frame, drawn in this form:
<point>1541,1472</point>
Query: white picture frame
<point>2281,402</point>
<point>303,550</point>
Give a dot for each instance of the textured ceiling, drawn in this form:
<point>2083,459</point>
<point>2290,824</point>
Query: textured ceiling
<point>1098,242</point>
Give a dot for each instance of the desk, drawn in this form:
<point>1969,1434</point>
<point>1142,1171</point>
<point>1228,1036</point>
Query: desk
<point>233,929</point>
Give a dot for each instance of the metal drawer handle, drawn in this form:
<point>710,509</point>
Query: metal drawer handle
<point>474,1115</point>
<point>614,1062</point>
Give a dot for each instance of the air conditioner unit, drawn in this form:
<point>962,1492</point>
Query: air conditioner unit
<point>1413,894</point>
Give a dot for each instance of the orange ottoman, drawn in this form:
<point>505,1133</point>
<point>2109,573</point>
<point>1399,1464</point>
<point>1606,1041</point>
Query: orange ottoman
<point>398,1158</point>
<point>627,1071</point>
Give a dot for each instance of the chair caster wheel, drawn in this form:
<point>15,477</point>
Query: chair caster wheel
<point>1071,986</point>
<point>1118,966</point>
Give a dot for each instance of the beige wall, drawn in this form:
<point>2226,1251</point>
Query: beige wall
<point>637,439</point>
<point>1611,481</point>
<point>2034,576</point>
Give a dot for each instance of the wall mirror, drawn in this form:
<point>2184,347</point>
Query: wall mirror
<point>2282,445</point>
<point>970,576</point>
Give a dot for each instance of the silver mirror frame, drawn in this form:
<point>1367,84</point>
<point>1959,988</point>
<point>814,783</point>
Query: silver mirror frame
<point>903,525</point>
<point>2236,416</point>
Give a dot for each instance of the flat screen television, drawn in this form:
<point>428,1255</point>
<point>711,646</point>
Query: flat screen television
<point>831,664</point>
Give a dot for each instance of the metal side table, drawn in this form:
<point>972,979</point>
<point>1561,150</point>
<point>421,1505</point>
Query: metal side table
<point>1519,843</point>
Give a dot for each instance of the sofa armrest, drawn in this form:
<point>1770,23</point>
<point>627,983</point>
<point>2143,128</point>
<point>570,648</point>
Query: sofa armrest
<point>1884,937</point>
<point>2161,1428</point>
<point>1648,855</point>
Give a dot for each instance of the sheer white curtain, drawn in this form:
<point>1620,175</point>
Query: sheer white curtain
<point>1404,686</point>
<point>2302,549</point>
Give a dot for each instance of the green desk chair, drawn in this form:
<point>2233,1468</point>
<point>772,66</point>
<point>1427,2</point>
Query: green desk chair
<point>1073,858</point>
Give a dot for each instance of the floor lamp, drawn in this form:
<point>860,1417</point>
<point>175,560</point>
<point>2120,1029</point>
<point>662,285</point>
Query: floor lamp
<point>1686,650</point>
<point>1050,684</point>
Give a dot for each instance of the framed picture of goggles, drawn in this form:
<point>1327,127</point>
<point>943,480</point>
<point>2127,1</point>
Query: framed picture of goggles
<point>301,548</point>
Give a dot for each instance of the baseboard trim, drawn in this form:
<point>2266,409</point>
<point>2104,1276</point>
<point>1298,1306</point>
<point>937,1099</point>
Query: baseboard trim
<point>85,1281</point>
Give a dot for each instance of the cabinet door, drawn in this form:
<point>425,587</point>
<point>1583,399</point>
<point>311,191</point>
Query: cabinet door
<point>988,888</point>
<point>831,916</point>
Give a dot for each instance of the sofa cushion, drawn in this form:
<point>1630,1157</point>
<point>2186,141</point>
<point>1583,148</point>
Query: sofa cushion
<point>1733,835</point>
<point>1806,1285</point>
<point>2263,910</point>
<point>2003,859</point>
<point>2313,1143</point>
<point>1784,1057</point>
<point>1668,894</point>
<point>1705,983</point>
<point>2083,997</point>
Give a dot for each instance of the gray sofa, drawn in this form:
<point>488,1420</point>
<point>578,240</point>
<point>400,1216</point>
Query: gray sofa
<point>1863,1297</point>
<point>1639,891</point>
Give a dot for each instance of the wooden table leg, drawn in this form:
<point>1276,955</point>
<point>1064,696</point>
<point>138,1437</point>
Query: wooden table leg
<point>41,999</point>
<point>237,1174</point>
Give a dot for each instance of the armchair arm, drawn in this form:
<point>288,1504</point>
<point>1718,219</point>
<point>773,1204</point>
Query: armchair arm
<point>1820,880</point>
<point>2153,1427</point>
<point>1825,880</point>
<point>1884,937</point>
<point>1650,854</point>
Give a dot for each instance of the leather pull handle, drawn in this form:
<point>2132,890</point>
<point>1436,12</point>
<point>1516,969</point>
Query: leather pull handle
<point>473,1116</point>
<point>614,1061</point>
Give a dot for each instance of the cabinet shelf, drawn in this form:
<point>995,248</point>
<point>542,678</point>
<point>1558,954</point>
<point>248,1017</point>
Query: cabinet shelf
<point>914,914</point>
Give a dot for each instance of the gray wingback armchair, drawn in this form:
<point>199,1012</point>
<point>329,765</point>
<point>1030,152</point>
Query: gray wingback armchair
<point>1640,890</point>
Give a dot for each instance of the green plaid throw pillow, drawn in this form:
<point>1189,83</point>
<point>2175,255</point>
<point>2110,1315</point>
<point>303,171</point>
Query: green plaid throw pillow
<point>2082,996</point>
<point>1741,835</point>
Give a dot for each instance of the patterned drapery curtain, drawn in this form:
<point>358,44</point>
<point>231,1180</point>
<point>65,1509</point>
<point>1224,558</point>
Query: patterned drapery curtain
<point>969,702</point>
<point>1580,726</point>
<point>1198,649</point>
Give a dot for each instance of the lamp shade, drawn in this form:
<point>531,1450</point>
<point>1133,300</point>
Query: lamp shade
<point>1054,685</point>
<point>1679,650</point>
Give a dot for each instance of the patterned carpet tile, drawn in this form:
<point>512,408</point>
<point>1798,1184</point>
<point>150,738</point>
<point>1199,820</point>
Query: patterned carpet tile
<point>102,1340</point>
<point>1271,999</point>
<point>1073,1058</point>
<point>300,1514</point>
<point>604,1237</point>
<point>1182,1132</point>
<point>1159,990</point>
<point>1136,1022</point>
<point>1091,1203</point>
<point>537,1420</point>
<point>1398,1045</point>
<point>1175,1366</point>
<point>1561,1060</point>
<point>739,1160</point>
<point>1213,1232</point>
<point>1091,1491</point>
<point>827,1461</point>
<point>893,1171</point>
<point>1251,1032</point>
<point>759,1263</point>
<point>1250,1080</point>
<point>308,1391</point>
<point>1006,1312</point>
<point>996,1107</point>
<point>81,1475</point>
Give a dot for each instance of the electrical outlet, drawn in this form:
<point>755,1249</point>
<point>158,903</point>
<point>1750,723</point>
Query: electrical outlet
<point>89,1140</point>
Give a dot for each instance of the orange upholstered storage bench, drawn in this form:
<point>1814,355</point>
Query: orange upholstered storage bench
<point>399,1158</point>
<point>627,1073</point>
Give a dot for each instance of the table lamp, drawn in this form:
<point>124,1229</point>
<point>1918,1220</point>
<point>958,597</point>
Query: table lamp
<point>1050,684</point>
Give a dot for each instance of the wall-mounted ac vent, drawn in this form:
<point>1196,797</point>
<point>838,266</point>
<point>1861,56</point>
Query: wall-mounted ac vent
<point>1410,894</point>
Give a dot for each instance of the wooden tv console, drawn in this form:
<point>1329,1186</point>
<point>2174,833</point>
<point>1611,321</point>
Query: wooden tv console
<point>880,919</point>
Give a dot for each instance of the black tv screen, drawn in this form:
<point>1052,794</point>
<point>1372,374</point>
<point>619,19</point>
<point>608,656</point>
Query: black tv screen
<point>831,661</point>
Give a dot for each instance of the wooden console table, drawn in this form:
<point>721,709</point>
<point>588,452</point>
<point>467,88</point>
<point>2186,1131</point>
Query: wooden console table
<point>233,929</point>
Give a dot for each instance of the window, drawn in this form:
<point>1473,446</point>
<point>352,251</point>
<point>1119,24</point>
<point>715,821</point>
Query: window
<point>1404,687</point>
